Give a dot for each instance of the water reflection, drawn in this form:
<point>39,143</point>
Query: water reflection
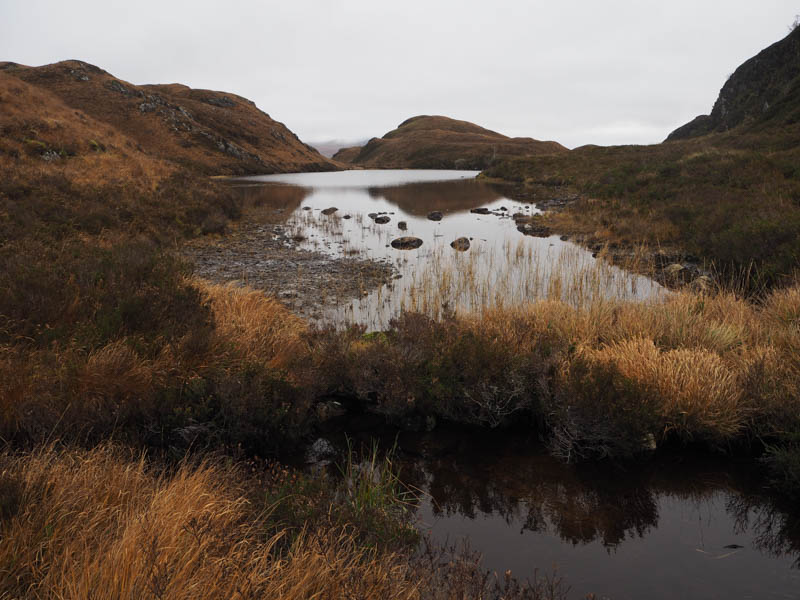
<point>680,526</point>
<point>418,199</point>
<point>270,203</point>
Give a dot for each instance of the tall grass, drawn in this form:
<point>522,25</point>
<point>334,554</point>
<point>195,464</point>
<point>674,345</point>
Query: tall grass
<point>256,328</point>
<point>100,525</point>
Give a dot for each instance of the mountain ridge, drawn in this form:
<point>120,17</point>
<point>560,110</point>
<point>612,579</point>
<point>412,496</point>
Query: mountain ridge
<point>208,131</point>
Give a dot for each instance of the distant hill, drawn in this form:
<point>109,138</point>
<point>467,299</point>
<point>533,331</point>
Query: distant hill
<point>436,142</point>
<point>330,147</point>
<point>206,131</point>
<point>763,90</point>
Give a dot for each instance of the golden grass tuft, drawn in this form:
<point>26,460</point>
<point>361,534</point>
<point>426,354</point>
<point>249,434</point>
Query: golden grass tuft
<point>101,524</point>
<point>115,370</point>
<point>694,390</point>
<point>259,328</point>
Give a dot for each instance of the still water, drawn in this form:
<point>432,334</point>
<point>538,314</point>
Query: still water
<point>678,526</point>
<point>501,268</point>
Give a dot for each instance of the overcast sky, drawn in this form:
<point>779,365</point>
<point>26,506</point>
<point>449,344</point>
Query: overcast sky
<point>579,72</point>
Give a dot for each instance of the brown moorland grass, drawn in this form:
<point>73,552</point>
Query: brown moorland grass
<point>256,328</point>
<point>729,199</point>
<point>436,142</point>
<point>605,379</point>
<point>100,525</point>
<point>207,132</point>
<point>228,372</point>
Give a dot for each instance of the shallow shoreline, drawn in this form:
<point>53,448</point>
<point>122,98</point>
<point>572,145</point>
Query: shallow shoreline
<point>669,266</point>
<point>264,256</point>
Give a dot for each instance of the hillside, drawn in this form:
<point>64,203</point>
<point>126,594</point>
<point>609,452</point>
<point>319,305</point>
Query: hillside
<point>209,132</point>
<point>435,142</point>
<point>763,90</point>
<point>724,190</point>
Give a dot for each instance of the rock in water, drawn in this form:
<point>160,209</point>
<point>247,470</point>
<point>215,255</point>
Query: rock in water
<point>382,219</point>
<point>534,229</point>
<point>461,244</point>
<point>402,225</point>
<point>406,243</point>
<point>435,216</point>
<point>329,211</point>
<point>480,211</point>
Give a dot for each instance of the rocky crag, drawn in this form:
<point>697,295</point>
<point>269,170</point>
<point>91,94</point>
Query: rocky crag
<point>763,90</point>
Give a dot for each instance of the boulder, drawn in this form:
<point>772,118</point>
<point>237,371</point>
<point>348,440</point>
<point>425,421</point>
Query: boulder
<point>534,229</point>
<point>329,410</point>
<point>402,225</point>
<point>320,451</point>
<point>435,216</point>
<point>461,244</point>
<point>329,211</point>
<point>480,211</point>
<point>406,243</point>
<point>674,272</point>
<point>383,219</point>
<point>704,283</point>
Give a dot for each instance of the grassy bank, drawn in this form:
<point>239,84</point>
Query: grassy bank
<point>608,380</point>
<point>611,379</point>
<point>731,200</point>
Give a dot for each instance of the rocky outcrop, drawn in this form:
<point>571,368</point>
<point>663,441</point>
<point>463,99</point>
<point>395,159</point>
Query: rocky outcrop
<point>764,88</point>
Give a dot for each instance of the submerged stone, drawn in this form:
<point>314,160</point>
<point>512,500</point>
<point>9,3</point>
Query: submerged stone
<point>461,244</point>
<point>406,243</point>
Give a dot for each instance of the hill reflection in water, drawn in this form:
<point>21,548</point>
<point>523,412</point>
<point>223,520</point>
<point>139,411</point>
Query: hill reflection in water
<point>684,526</point>
<point>418,199</point>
